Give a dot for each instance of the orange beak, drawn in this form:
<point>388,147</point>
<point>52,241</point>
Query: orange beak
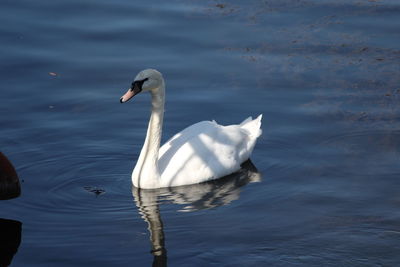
<point>128,95</point>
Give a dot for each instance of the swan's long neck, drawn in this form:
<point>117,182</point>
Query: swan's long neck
<point>146,173</point>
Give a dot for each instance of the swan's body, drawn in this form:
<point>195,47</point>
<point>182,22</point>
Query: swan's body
<point>203,151</point>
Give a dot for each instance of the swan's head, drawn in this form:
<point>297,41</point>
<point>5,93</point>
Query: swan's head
<point>146,80</point>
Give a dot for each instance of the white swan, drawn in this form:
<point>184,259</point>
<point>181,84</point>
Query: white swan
<point>203,151</point>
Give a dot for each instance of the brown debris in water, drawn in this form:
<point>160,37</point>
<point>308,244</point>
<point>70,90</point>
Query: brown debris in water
<point>95,190</point>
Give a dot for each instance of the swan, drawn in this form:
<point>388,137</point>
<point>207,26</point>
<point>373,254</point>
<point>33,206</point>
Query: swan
<point>202,152</point>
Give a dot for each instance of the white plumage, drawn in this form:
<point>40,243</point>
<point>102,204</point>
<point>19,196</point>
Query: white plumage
<point>203,151</point>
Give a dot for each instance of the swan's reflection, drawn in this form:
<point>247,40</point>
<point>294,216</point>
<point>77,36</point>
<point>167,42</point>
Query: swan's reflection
<point>195,197</point>
<point>10,239</point>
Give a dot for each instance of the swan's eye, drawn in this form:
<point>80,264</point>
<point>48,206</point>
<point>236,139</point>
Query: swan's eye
<point>138,84</point>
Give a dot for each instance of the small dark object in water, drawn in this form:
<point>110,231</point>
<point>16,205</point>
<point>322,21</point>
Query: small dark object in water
<point>9,182</point>
<point>95,190</point>
<point>10,239</point>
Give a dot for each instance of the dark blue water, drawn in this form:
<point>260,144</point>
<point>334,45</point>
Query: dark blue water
<point>325,74</point>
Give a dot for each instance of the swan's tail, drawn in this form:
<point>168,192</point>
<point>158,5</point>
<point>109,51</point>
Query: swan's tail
<point>252,126</point>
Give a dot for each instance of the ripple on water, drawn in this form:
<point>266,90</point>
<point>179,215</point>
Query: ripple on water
<point>67,184</point>
<point>367,153</point>
<point>100,193</point>
<point>281,157</point>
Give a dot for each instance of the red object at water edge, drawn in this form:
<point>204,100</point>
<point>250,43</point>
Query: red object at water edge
<point>9,182</point>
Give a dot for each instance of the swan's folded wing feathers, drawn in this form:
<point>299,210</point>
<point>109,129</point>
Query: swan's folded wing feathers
<point>246,120</point>
<point>187,160</point>
<point>170,148</point>
<point>203,152</point>
<point>253,127</point>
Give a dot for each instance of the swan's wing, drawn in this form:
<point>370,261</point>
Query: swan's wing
<point>253,127</point>
<point>202,152</point>
<point>246,120</point>
<point>170,148</point>
<point>185,134</point>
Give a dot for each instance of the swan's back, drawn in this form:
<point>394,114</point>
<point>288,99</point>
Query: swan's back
<point>205,151</point>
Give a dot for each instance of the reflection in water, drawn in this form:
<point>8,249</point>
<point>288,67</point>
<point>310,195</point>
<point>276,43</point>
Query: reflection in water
<point>9,182</point>
<point>195,197</point>
<point>10,239</point>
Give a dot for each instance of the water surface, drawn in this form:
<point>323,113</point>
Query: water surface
<point>325,75</point>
